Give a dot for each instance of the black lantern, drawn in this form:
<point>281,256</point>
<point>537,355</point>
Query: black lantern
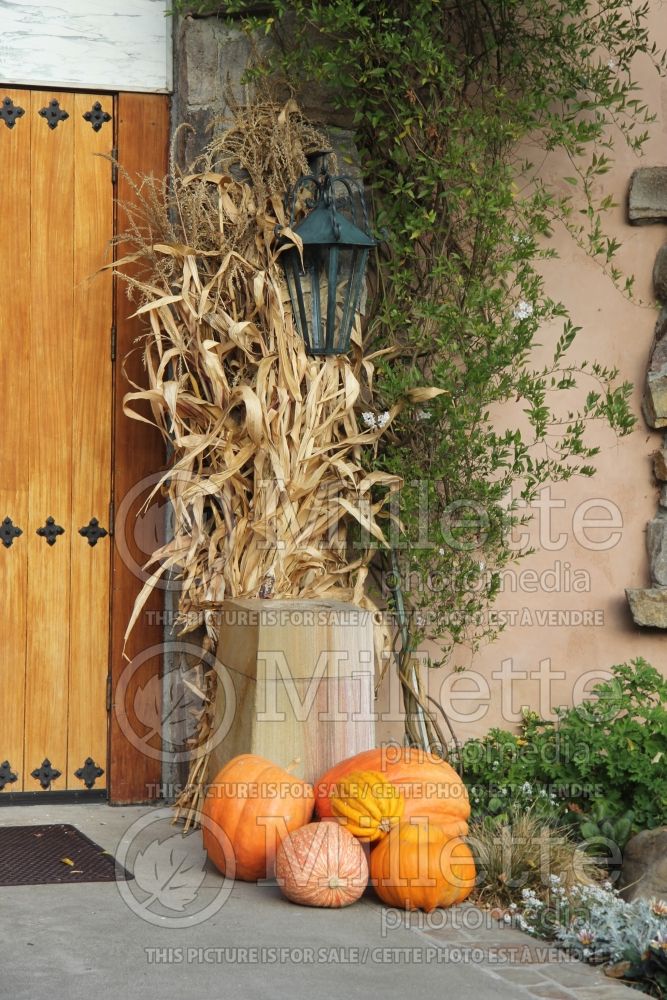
<point>325,284</point>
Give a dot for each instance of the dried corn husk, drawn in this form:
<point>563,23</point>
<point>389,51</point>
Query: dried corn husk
<point>268,473</point>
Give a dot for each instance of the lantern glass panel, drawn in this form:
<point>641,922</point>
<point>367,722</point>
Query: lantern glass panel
<point>325,294</point>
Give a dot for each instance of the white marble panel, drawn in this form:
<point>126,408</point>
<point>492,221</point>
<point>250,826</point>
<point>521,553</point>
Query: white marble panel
<point>89,44</point>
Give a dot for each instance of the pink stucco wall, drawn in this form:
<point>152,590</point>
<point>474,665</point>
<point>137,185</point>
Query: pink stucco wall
<point>544,659</point>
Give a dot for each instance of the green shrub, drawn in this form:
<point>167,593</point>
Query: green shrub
<point>602,764</point>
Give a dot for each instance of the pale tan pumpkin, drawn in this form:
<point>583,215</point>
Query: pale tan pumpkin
<point>321,864</point>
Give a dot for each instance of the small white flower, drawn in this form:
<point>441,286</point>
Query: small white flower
<point>382,419</point>
<point>612,64</point>
<point>527,788</point>
<point>423,415</point>
<point>523,310</point>
<point>441,551</point>
<point>368,418</point>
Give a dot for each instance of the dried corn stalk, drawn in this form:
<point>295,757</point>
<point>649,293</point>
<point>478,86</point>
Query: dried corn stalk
<point>267,474</point>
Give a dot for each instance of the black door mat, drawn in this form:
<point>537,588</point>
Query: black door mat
<point>54,853</point>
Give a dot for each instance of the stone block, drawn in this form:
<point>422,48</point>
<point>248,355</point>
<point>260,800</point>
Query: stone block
<point>661,324</point>
<point>654,404</point>
<point>660,274</point>
<point>644,871</point>
<point>648,606</point>
<point>660,465</point>
<point>647,196</point>
<point>199,45</point>
<point>658,362</point>
<point>656,543</point>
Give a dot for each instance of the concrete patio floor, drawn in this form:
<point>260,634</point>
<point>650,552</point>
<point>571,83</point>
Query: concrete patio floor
<point>177,930</point>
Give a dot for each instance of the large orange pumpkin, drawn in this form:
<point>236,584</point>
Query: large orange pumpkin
<point>417,866</point>
<point>249,808</point>
<point>321,864</point>
<point>430,786</point>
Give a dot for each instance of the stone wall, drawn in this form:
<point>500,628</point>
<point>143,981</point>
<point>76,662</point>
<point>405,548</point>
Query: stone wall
<point>210,59</point>
<point>647,204</point>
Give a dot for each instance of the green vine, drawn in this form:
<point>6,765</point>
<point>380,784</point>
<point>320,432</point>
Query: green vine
<point>458,108</point>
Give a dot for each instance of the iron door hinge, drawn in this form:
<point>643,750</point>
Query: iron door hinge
<point>114,337</point>
<point>112,513</point>
<point>114,166</point>
<point>108,692</point>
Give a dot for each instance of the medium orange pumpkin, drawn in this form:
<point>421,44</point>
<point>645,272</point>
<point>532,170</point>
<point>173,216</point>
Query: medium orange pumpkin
<point>430,787</point>
<point>249,807</point>
<point>321,864</point>
<point>418,866</point>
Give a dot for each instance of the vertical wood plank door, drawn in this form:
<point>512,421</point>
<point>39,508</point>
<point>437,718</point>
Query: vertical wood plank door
<point>56,315</point>
<point>135,765</point>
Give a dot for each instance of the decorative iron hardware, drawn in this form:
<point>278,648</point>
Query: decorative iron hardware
<point>50,531</point>
<point>10,112</point>
<point>45,774</point>
<point>93,531</point>
<point>53,114</point>
<point>89,773</point>
<point>97,116</point>
<point>8,532</point>
<point>7,776</point>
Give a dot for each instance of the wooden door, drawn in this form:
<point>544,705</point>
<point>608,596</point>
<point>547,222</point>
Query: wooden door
<point>56,316</point>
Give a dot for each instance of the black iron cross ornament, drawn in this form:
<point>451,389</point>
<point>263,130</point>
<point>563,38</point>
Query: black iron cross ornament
<point>50,531</point>
<point>45,774</point>
<point>97,116</point>
<point>93,531</point>
<point>7,776</point>
<point>53,113</point>
<point>89,773</point>
<point>8,532</point>
<point>10,112</point>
